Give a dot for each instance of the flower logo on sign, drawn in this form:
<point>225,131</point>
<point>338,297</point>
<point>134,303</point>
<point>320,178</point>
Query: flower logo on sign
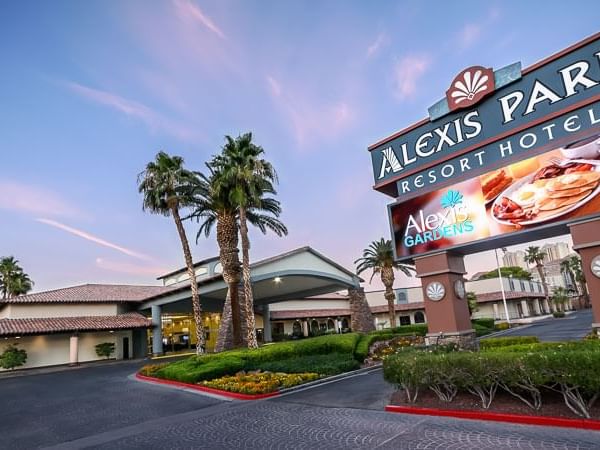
<point>435,291</point>
<point>469,87</point>
<point>451,199</point>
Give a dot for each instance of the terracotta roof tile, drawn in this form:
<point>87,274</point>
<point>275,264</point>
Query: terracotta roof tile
<point>91,293</point>
<point>16,327</point>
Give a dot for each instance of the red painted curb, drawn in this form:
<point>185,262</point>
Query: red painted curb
<point>587,424</point>
<point>197,387</point>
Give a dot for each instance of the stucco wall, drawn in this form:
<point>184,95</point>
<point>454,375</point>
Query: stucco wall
<point>53,349</point>
<point>309,305</point>
<point>20,311</point>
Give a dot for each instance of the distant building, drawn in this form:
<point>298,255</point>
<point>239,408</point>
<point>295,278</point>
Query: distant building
<point>515,259</point>
<point>555,251</point>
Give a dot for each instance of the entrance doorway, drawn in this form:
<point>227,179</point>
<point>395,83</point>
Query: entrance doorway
<point>125,348</point>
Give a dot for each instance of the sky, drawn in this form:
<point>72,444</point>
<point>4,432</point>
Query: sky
<point>91,91</point>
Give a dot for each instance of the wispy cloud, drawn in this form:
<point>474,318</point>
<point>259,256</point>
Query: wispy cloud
<point>311,117</point>
<point>95,239</point>
<point>154,120</point>
<point>21,197</point>
<point>469,34</point>
<point>407,72</point>
<point>129,268</point>
<point>187,9</point>
<point>379,42</point>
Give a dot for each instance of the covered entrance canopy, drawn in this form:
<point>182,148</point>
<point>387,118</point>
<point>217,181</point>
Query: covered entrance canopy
<point>297,274</point>
<point>294,275</point>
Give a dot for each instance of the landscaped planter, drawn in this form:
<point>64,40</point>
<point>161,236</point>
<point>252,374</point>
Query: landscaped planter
<point>197,387</point>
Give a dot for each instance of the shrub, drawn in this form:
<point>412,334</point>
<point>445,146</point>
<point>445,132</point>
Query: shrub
<point>501,326</point>
<point>259,383</point>
<point>484,322</point>
<point>150,370</point>
<point>480,330</point>
<point>13,357</point>
<point>507,341</point>
<point>558,314</point>
<point>105,349</point>
<point>418,329</point>
<point>330,364</point>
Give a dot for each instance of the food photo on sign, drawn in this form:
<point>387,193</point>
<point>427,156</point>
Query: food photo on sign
<point>552,187</point>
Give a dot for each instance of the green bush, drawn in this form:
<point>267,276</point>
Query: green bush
<point>13,357</point>
<point>420,329</point>
<point>207,367</point>
<point>484,322</point>
<point>330,364</point>
<point>105,349</point>
<point>501,326</point>
<point>507,341</point>
<point>558,314</point>
<point>568,368</point>
<point>480,330</point>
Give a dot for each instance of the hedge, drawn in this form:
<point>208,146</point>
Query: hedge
<point>207,367</point>
<point>571,370</point>
<point>507,341</point>
<point>330,364</point>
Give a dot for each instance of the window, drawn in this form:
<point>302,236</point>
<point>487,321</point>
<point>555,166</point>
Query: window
<point>314,326</point>
<point>401,296</point>
<point>330,325</point>
<point>419,317</point>
<point>345,324</point>
<point>278,328</point>
<point>297,328</point>
<point>218,268</point>
<point>404,320</point>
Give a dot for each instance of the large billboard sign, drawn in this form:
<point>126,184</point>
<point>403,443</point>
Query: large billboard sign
<point>548,191</point>
<point>504,153</point>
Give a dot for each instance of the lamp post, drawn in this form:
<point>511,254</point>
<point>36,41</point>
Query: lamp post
<point>502,285</point>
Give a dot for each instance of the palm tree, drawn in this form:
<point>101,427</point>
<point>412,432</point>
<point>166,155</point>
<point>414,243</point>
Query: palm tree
<point>579,277</point>
<point>13,280</point>
<point>247,178</point>
<point>567,271</point>
<point>213,207</point>
<point>379,257</point>
<point>534,255</point>
<point>560,298</point>
<point>166,187</point>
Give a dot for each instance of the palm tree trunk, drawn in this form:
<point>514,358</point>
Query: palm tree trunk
<point>200,341</point>
<point>227,239</point>
<point>540,270</point>
<point>387,277</point>
<point>248,295</point>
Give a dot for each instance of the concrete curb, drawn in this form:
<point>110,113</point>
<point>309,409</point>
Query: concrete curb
<point>585,424</point>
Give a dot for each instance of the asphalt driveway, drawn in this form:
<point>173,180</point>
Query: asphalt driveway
<point>102,407</point>
<point>570,328</point>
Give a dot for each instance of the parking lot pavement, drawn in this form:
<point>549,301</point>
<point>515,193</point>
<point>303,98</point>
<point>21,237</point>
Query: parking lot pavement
<point>41,410</point>
<point>102,407</point>
<point>570,328</point>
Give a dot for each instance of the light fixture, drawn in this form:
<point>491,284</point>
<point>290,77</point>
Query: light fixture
<point>277,279</point>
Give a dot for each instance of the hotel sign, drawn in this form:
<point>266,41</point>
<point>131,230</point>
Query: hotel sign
<point>504,153</point>
<point>483,118</point>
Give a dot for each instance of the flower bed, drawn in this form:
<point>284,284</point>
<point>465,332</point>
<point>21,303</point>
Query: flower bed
<point>259,382</point>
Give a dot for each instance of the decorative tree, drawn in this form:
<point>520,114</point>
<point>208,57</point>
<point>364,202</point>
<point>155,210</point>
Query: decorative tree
<point>105,349</point>
<point>472,302</point>
<point>13,357</point>
<point>166,186</point>
<point>534,255</point>
<point>13,280</point>
<point>560,298</point>
<point>379,257</point>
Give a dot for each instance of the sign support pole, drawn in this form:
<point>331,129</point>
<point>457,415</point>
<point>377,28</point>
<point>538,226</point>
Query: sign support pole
<point>502,288</point>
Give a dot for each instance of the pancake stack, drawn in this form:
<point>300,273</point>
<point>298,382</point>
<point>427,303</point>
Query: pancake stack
<point>566,190</point>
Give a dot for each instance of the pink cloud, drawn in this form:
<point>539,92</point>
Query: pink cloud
<point>407,72</point>
<point>154,120</point>
<point>27,198</point>
<point>379,42</point>
<point>311,118</point>
<point>95,239</point>
<point>186,9</point>
<point>469,35</point>
<point>130,268</point>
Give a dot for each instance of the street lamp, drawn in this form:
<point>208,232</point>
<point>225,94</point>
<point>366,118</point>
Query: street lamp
<point>502,285</point>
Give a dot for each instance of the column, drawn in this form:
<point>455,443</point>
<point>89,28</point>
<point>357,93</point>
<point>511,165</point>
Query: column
<point>266,313</point>
<point>361,319</point>
<point>525,308</point>
<point>586,243</point>
<point>445,299</point>
<point>338,326</point>
<point>157,345</point>
<point>305,328</point>
<point>73,350</point>
<point>496,313</point>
